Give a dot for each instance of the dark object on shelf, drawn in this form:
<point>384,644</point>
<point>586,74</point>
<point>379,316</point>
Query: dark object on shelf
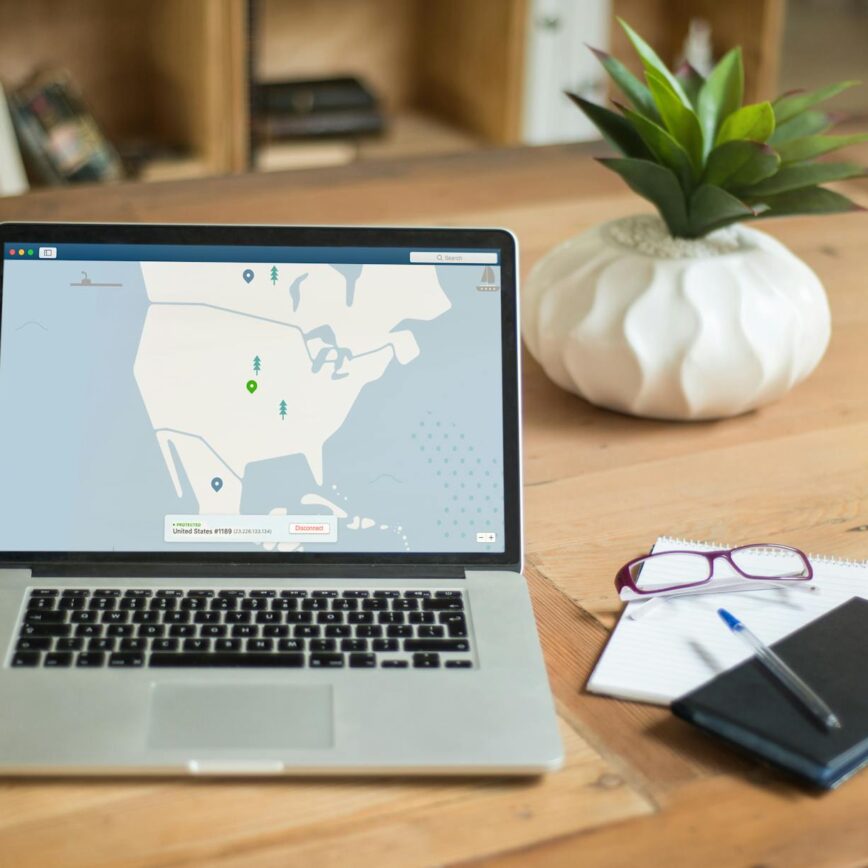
<point>314,108</point>
<point>59,137</point>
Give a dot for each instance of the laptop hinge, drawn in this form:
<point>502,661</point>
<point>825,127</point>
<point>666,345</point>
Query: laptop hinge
<point>93,570</point>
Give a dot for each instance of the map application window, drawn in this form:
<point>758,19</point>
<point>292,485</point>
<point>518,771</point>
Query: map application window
<point>160,398</point>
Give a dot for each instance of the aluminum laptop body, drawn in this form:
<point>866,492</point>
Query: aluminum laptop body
<point>260,504</point>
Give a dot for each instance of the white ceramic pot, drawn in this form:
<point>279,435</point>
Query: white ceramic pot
<point>634,320</point>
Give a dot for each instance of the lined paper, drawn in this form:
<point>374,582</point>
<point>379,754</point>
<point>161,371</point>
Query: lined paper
<point>681,643</point>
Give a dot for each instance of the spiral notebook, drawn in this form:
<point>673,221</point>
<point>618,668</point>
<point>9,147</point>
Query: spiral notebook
<point>681,644</point>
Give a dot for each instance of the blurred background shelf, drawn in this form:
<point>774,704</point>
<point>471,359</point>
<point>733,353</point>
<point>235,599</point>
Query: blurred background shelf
<point>170,82</point>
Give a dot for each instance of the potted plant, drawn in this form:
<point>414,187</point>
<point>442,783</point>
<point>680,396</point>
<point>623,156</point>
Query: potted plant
<point>687,314</point>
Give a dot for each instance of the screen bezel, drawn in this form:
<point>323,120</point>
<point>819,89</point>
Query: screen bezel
<point>311,563</point>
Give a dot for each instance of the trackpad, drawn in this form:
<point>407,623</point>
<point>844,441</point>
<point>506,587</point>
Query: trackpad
<point>231,716</point>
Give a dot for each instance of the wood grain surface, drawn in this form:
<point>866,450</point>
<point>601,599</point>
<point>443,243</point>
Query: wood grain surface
<point>639,787</point>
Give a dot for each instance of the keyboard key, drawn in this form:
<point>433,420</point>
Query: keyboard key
<point>76,592</point>
<point>435,632</point>
<point>115,617</point>
<point>354,645</point>
<point>219,659</point>
<point>394,664</point>
<point>181,631</point>
<point>263,594</point>
<point>133,604</point>
<point>138,592</point>
<point>284,605</point>
<point>206,617</point>
<point>245,631</point>
<point>221,645</point>
<point>317,605</point>
<point>369,631</point>
<point>237,618</point>
<point>71,604</point>
<point>421,617</point>
<point>299,618</point>
<point>436,645</point>
<point>417,595</point>
<point>69,644</point>
<point>102,604</point>
<point>385,645</point>
<point>275,631</point>
<point>163,604</point>
<point>326,661</point>
<point>169,644</point>
<point>193,604</point>
<point>60,659</point>
<point>155,631</point>
<point>375,605</point>
<point>405,605</point>
<point>83,617</point>
<point>197,645</point>
<point>443,604</point>
<point>126,659</point>
<point>134,645</point>
<point>230,595</point>
<point>101,645</point>
<point>382,595</point>
<point>178,617</point>
<point>213,631</point>
<point>320,594</point>
<point>355,595</point>
<point>89,630</point>
<point>338,631</point>
<point>360,618</point>
<point>107,592</point>
<point>290,645</point>
<point>330,617</point>
<point>323,645</point>
<point>36,644</point>
<point>459,664</point>
<point>294,594</point>
<point>254,604</point>
<point>197,592</point>
<point>306,631</point>
<point>399,631</point>
<point>45,617</point>
<point>390,618</point>
<point>37,603</point>
<point>46,630</point>
<point>344,605</point>
<point>44,592</point>
<point>25,658</point>
<point>447,595</point>
<point>267,617</point>
<point>260,644</point>
<point>153,617</point>
<point>90,659</point>
<point>119,630</point>
<point>362,661</point>
<point>170,592</point>
<point>426,661</point>
<point>222,604</point>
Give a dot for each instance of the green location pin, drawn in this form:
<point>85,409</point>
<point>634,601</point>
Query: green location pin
<point>252,386</point>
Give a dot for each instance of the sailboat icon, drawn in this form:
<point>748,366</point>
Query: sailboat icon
<point>487,283</point>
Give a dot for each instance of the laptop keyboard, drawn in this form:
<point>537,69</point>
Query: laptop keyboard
<point>322,629</point>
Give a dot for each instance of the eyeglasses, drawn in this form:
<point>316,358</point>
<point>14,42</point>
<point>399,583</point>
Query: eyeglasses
<point>676,572</point>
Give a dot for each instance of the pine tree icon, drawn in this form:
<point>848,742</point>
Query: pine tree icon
<point>257,364</point>
<point>274,274</point>
<point>282,411</point>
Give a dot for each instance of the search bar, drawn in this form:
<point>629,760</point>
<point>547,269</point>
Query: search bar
<point>452,257</point>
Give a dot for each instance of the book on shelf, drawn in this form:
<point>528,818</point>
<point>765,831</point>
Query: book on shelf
<point>13,179</point>
<point>60,139</point>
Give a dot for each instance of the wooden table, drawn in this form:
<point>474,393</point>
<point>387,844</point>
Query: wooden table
<point>639,787</point>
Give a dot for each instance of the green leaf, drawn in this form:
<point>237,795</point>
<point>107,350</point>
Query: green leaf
<point>663,147</point>
<point>808,200</point>
<point>813,146</point>
<point>740,164</point>
<point>808,123</point>
<point>806,175</point>
<point>721,94</point>
<point>616,130</point>
<point>691,81</point>
<point>789,105</point>
<point>677,117</point>
<point>658,185</point>
<point>711,208</point>
<point>650,60</point>
<point>754,122</point>
<point>631,87</point>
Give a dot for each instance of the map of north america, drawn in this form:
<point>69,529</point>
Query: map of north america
<point>244,364</point>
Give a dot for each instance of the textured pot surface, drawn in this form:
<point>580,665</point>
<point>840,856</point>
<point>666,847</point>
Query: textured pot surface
<point>638,322</point>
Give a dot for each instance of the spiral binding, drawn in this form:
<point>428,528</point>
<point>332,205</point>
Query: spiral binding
<point>829,560</point>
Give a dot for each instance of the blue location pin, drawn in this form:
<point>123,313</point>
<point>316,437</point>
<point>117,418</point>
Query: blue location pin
<point>247,274</point>
<point>216,483</point>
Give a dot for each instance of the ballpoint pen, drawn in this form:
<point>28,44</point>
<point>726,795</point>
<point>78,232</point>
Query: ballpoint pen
<point>782,672</point>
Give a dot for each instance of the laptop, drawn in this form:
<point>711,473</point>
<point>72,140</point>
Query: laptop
<point>260,509</point>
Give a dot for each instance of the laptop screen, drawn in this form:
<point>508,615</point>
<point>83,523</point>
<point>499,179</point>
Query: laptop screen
<point>181,398</point>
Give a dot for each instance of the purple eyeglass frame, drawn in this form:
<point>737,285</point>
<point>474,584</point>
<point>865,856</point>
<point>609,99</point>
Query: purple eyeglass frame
<point>624,578</point>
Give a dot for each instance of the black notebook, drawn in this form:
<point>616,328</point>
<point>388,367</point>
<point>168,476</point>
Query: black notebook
<point>748,707</point>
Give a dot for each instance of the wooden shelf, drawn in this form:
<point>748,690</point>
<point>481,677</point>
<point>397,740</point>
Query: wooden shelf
<point>450,73</point>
